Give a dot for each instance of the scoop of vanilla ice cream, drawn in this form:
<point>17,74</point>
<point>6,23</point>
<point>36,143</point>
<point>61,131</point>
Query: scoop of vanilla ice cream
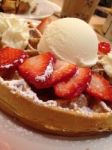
<point>71,39</point>
<point>14,32</point>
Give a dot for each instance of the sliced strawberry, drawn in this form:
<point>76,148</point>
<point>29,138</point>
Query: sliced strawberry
<point>75,85</point>
<point>62,71</point>
<point>10,58</point>
<point>100,88</point>
<point>43,24</point>
<point>37,70</point>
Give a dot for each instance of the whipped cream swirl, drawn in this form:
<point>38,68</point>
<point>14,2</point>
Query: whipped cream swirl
<point>14,32</point>
<point>106,61</point>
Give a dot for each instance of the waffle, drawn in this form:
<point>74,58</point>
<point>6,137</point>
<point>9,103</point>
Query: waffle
<point>17,6</point>
<point>57,116</point>
<point>18,100</point>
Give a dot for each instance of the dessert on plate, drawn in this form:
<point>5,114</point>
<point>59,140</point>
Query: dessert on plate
<point>66,89</point>
<point>18,6</point>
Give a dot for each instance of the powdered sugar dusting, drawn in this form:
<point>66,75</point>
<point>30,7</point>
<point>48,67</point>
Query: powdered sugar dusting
<point>51,103</point>
<point>21,88</point>
<point>105,107</point>
<point>47,73</point>
<point>6,66</point>
<point>86,110</point>
<point>21,60</point>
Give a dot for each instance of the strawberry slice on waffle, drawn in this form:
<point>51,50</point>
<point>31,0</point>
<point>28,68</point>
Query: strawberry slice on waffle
<point>75,85</point>
<point>63,71</point>
<point>100,88</point>
<point>10,59</point>
<point>37,70</point>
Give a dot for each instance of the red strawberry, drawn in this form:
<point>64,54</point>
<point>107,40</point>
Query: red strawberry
<point>37,70</point>
<point>62,71</point>
<point>75,85</point>
<point>43,24</point>
<point>100,88</point>
<point>10,58</point>
<point>104,47</point>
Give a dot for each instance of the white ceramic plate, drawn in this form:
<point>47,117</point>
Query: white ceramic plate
<point>13,136</point>
<point>45,9</point>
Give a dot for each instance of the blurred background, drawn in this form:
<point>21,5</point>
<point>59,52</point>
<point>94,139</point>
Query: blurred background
<point>96,12</point>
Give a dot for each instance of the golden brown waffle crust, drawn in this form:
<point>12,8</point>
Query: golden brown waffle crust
<point>52,119</point>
